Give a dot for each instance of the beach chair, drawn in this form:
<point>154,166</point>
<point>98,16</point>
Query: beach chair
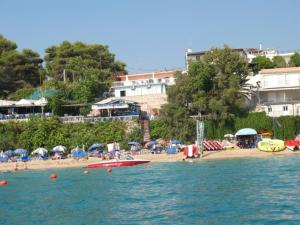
<point>3,159</point>
<point>25,158</point>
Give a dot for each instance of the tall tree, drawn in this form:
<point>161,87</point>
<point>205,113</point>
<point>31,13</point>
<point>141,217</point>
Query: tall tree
<point>212,87</point>
<point>75,59</point>
<point>295,60</point>
<point>279,62</point>
<point>261,62</point>
<point>18,69</point>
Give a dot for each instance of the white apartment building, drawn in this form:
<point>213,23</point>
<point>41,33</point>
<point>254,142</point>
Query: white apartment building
<point>147,89</point>
<point>143,84</point>
<point>248,53</point>
<point>277,91</point>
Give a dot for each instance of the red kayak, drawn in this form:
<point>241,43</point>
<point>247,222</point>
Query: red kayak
<point>117,163</point>
<point>292,144</point>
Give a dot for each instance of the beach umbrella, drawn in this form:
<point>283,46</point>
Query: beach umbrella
<point>78,152</point>
<point>9,152</point>
<point>59,148</point>
<point>150,143</point>
<point>20,151</point>
<point>175,142</point>
<point>228,136</point>
<point>133,143</point>
<point>76,149</point>
<point>95,146</point>
<point>40,151</point>
<point>245,132</point>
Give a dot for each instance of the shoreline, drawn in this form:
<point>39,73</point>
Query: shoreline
<point>154,158</point>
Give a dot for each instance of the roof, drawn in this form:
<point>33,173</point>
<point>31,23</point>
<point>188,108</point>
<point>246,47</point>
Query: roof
<point>24,103</point>
<point>113,103</point>
<point>203,52</point>
<point>281,70</point>
<point>143,76</point>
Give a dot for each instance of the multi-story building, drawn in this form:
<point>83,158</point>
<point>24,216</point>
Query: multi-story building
<point>248,53</point>
<point>277,91</point>
<point>148,89</point>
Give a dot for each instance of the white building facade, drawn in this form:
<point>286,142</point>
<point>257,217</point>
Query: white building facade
<point>143,84</point>
<point>278,91</point>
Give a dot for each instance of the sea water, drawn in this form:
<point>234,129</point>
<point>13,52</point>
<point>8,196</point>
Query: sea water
<point>235,191</point>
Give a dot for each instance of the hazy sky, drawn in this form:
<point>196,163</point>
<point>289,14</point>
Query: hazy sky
<point>151,35</point>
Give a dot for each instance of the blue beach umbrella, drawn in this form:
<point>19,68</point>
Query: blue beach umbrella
<point>175,142</point>
<point>9,152</point>
<point>95,146</point>
<point>78,153</point>
<point>20,151</point>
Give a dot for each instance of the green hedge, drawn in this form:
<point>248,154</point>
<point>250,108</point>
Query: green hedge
<point>51,132</point>
<point>284,127</point>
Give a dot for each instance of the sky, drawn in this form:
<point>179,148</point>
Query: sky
<point>152,35</point>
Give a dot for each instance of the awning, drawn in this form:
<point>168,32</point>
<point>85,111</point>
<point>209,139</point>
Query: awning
<point>246,131</point>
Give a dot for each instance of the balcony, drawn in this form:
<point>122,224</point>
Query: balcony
<point>167,81</point>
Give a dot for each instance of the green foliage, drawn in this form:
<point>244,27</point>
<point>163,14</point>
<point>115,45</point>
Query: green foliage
<point>158,129</point>
<point>78,58</point>
<point>288,129</point>
<point>279,62</point>
<point>18,69</point>
<point>23,93</point>
<point>295,60</point>
<point>261,62</point>
<point>213,87</point>
<point>50,132</point>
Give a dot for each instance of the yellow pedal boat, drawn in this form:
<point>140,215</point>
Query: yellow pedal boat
<point>271,145</point>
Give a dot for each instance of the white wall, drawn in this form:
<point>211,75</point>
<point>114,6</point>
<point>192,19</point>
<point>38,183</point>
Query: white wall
<point>280,80</point>
<point>278,110</point>
<point>137,90</point>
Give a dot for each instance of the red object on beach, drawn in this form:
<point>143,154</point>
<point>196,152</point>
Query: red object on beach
<point>185,151</point>
<point>212,145</point>
<point>292,144</point>
<point>117,163</point>
<point>53,176</point>
<point>3,182</point>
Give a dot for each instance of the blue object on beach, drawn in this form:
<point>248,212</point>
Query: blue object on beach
<point>171,150</point>
<point>175,142</point>
<point>95,146</point>
<point>20,151</point>
<point>245,132</point>
<point>25,158</point>
<point>9,153</point>
<point>78,153</point>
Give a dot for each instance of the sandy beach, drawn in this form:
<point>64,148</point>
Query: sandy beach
<point>211,155</point>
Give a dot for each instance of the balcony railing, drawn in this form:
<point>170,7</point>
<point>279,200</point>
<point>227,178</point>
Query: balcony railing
<point>81,119</point>
<point>144,82</point>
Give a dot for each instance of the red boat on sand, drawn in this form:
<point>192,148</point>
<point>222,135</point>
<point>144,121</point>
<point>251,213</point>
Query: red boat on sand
<point>117,163</point>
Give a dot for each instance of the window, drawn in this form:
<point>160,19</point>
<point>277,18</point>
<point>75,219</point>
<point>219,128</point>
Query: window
<point>123,93</point>
<point>269,109</point>
<point>285,108</point>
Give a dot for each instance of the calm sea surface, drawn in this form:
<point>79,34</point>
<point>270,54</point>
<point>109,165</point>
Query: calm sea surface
<point>239,191</point>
